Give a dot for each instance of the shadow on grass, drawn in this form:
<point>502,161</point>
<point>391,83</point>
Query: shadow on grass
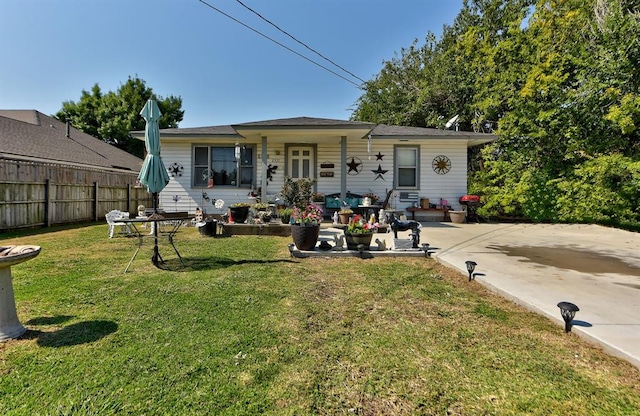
<point>49,320</point>
<point>46,230</point>
<point>74,334</point>
<point>210,263</point>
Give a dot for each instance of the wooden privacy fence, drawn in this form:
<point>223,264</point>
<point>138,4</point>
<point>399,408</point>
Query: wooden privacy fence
<point>43,204</point>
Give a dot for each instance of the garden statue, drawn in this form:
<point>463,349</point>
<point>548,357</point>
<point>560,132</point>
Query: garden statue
<point>414,226</point>
<point>336,218</point>
<point>382,245</point>
<point>382,217</point>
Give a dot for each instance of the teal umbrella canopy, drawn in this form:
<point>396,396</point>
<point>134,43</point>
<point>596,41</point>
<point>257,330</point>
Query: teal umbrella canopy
<point>153,174</point>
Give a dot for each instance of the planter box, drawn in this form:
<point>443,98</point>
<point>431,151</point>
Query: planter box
<point>458,217</point>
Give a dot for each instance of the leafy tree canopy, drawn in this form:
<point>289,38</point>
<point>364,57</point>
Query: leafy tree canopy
<point>113,115</point>
<point>559,81</point>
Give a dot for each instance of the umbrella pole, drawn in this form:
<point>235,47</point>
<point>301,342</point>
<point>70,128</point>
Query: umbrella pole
<point>156,254</point>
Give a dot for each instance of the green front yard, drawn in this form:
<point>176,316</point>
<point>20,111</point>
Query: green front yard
<point>246,329</point>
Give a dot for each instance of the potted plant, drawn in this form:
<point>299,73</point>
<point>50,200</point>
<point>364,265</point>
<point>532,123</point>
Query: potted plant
<point>305,227</point>
<point>239,212</point>
<point>345,214</point>
<point>285,214</point>
<point>369,199</point>
<point>261,211</point>
<point>297,192</point>
<point>265,216</point>
<point>359,232</point>
<point>306,216</point>
<point>317,197</point>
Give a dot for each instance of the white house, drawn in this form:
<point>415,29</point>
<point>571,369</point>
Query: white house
<point>231,162</point>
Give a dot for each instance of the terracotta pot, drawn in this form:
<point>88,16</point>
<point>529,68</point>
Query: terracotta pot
<point>354,240</point>
<point>344,218</point>
<point>305,237</point>
<point>457,217</point>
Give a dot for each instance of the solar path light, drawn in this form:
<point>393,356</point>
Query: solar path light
<point>471,266</point>
<point>568,311</point>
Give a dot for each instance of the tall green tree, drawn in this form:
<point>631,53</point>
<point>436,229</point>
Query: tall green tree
<point>113,115</point>
<point>562,80</point>
<point>576,107</point>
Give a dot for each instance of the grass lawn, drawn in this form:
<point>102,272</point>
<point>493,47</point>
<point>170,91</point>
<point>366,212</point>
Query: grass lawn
<point>246,329</point>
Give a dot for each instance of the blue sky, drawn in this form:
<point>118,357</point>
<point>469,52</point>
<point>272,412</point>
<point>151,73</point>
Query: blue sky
<point>224,72</point>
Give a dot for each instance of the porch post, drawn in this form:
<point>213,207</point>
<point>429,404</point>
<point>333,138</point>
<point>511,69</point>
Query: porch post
<point>263,188</point>
<point>343,168</point>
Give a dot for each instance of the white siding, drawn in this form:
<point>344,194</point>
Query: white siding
<point>431,185</point>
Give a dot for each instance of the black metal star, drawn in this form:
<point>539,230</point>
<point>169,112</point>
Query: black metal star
<point>353,165</point>
<point>379,172</point>
<point>379,156</point>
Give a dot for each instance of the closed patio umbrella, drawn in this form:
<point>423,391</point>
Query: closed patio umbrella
<point>153,174</point>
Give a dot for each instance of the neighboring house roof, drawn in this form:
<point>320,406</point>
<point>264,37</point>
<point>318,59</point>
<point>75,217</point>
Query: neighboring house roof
<point>316,127</point>
<point>224,131</point>
<point>31,135</point>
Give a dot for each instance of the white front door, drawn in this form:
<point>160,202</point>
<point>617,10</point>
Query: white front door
<point>301,162</point>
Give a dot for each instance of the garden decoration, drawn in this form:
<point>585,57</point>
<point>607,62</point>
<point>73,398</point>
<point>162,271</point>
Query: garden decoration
<point>239,212</point>
<point>305,227</point>
<point>10,326</point>
<point>359,232</point>
<point>414,226</point>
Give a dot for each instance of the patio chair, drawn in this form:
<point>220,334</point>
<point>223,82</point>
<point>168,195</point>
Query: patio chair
<point>113,218</point>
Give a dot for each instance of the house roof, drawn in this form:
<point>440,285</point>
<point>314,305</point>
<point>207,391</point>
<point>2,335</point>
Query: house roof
<point>383,131</point>
<point>304,122</point>
<point>31,135</point>
<point>319,127</point>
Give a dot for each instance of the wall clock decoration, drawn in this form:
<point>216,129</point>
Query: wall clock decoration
<point>441,164</point>
<point>175,169</point>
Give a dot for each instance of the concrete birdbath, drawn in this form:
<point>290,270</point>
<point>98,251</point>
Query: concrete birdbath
<point>10,326</point>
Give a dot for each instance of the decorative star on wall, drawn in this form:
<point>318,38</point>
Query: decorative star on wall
<point>355,166</point>
<point>379,172</point>
<point>379,156</point>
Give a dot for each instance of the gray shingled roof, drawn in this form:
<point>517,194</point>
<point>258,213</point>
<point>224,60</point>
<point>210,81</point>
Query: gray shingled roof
<point>194,131</point>
<point>305,122</point>
<point>378,131</point>
<point>31,134</point>
<point>385,131</point>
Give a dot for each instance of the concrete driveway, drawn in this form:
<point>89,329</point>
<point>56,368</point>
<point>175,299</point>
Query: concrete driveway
<point>538,265</point>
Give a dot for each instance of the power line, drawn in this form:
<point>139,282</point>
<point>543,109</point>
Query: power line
<point>276,42</point>
<point>300,42</point>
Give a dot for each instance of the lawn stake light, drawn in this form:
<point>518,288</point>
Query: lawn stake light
<point>471,266</point>
<point>568,311</point>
